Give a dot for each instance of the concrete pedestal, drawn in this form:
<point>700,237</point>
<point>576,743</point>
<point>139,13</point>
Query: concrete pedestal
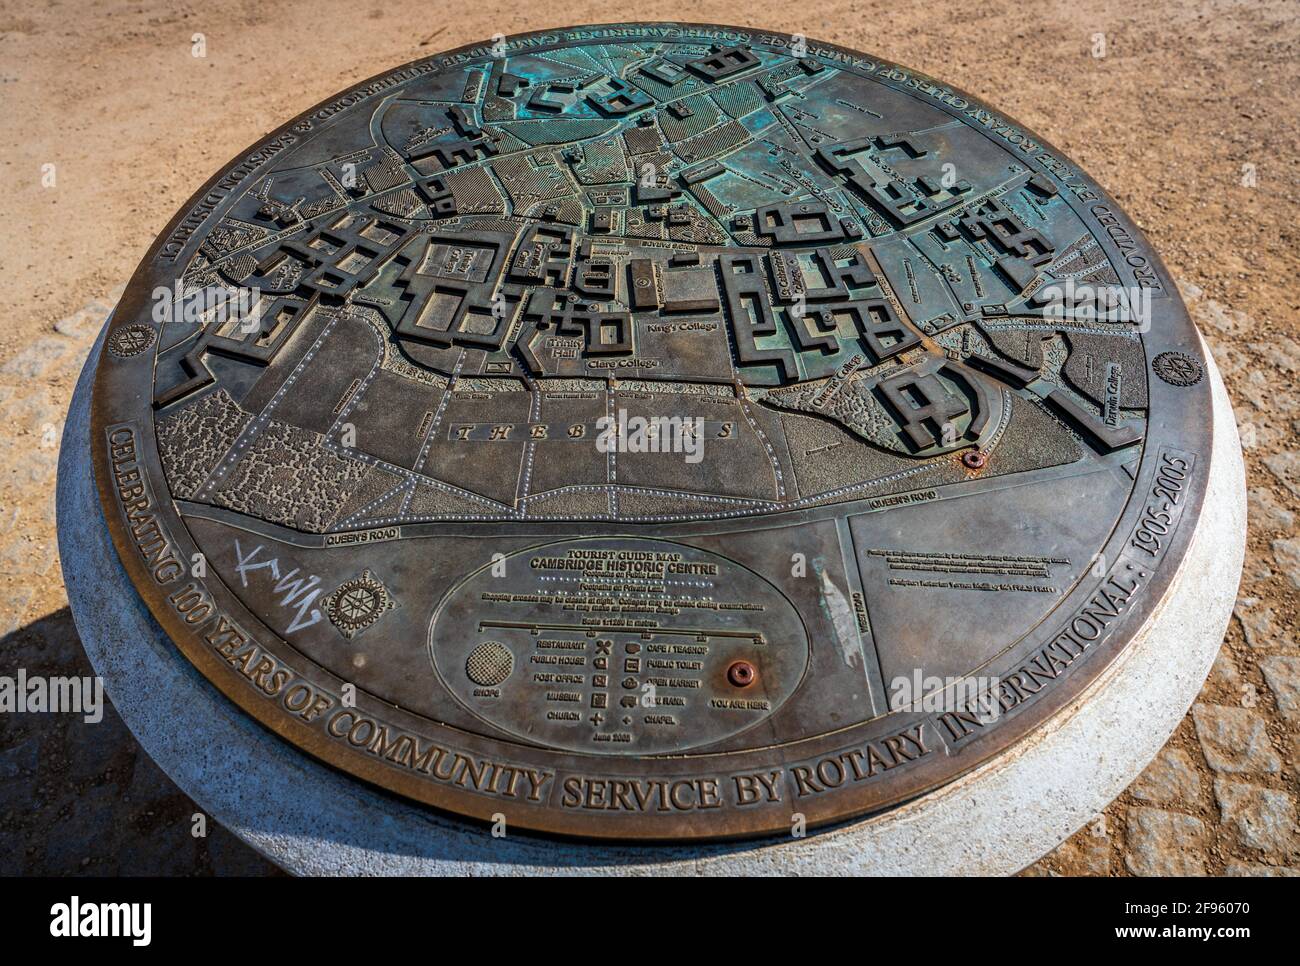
<point>312,820</point>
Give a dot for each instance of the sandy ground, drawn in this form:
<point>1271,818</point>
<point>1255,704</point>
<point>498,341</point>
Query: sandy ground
<point>1190,120</point>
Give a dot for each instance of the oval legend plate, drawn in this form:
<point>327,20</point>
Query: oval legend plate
<point>652,431</point>
<point>707,645</point>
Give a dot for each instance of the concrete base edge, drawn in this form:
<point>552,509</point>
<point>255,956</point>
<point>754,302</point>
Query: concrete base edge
<point>312,820</point>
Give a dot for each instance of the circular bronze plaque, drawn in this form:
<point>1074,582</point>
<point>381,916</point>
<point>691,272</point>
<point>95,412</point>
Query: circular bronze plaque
<point>652,431</point>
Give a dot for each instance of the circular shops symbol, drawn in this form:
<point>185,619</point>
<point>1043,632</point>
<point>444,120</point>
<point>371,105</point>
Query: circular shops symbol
<point>489,664</point>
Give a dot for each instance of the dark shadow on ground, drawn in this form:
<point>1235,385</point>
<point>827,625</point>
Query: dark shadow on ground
<point>85,799</point>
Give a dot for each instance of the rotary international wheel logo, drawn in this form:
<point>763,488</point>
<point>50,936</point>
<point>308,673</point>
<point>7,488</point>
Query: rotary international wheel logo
<point>130,340</point>
<point>357,604</point>
<point>1177,368</point>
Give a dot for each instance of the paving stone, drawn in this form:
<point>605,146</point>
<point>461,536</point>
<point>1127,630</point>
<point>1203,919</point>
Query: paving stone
<point>1234,739</point>
<point>1263,510</point>
<point>1039,870</point>
<point>59,644</point>
<point>92,748</point>
<point>39,359</point>
<point>1263,817</point>
<point>20,760</point>
<point>1286,467</point>
<point>1084,854</point>
<point>1234,364</point>
<point>1283,676</point>
<point>11,853</point>
<point>1170,779</point>
<point>1236,868</point>
<point>84,324</point>
<point>1258,622</point>
<point>1211,314</point>
<point>32,466</point>
<point>1256,386</point>
<point>1223,673</point>
<point>1206,310</point>
<point>1164,843</point>
<point>1284,350</point>
<point>169,849</point>
<point>14,602</point>
<point>1286,553</point>
<point>81,834</point>
<point>1256,567</point>
<point>45,512</point>
<point>28,411</point>
<point>25,555</point>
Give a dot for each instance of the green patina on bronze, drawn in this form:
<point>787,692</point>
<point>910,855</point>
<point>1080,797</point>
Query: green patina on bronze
<point>652,431</point>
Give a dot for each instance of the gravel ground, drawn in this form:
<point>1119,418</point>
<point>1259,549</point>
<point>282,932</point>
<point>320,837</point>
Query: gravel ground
<point>1190,120</point>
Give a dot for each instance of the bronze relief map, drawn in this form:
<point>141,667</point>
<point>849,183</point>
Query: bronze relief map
<point>652,431</point>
